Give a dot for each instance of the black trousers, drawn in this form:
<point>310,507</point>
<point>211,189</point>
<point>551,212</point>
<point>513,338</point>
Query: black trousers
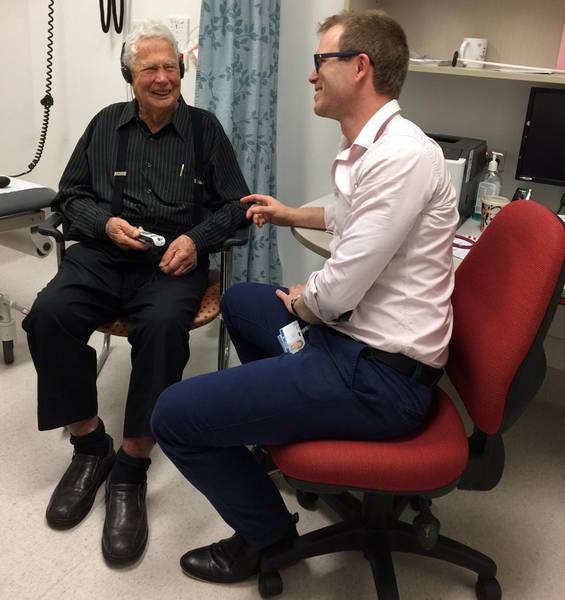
<point>96,283</point>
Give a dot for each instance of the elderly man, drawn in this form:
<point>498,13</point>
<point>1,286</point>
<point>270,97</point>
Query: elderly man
<point>379,310</point>
<point>154,141</point>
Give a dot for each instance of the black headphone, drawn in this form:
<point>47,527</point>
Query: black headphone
<point>126,71</point>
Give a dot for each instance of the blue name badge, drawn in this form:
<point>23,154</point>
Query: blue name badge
<point>291,338</point>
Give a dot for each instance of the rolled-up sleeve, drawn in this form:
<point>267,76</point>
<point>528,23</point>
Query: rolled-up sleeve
<point>329,217</point>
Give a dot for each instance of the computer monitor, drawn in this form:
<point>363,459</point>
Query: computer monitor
<point>542,152</point>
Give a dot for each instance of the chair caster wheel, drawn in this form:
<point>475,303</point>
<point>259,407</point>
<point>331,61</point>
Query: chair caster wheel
<point>488,589</point>
<point>427,529</point>
<point>270,584</point>
<point>8,349</point>
<point>306,499</point>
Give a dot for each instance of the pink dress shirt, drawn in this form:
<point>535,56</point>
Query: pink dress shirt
<point>393,224</point>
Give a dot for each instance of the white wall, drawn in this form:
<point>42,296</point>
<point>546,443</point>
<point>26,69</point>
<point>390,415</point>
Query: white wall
<point>306,144</point>
<point>86,76</point>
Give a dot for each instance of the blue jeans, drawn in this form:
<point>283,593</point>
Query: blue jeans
<point>331,389</point>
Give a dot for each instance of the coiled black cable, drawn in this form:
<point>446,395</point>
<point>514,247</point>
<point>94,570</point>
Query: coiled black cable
<point>118,24</point>
<point>110,14</point>
<point>47,100</point>
<point>105,18</point>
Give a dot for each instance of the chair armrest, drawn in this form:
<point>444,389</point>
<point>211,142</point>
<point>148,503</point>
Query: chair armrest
<point>49,228</point>
<point>239,238</point>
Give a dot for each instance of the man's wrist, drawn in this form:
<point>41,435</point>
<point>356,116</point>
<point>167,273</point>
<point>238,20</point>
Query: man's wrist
<point>293,302</point>
<point>302,312</point>
<point>107,225</point>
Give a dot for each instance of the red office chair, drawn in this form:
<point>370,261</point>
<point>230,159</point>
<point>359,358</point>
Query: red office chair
<point>506,293</point>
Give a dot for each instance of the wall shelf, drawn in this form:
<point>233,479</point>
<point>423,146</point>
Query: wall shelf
<point>557,79</point>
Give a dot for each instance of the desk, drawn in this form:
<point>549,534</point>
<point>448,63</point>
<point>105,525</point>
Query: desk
<point>316,240</point>
<point>22,205</point>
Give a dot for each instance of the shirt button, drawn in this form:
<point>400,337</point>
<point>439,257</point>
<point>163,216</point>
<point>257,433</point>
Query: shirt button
<point>148,190</point>
<point>148,165</point>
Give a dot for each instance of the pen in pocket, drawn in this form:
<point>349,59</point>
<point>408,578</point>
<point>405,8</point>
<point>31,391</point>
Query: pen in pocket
<point>181,170</point>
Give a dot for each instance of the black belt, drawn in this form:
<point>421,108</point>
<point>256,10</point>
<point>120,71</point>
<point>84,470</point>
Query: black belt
<point>407,366</point>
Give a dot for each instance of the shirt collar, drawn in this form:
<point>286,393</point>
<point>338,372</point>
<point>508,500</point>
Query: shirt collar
<point>371,130</point>
<point>179,120</point>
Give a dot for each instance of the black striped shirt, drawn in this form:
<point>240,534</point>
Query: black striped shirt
<point>159,188</point>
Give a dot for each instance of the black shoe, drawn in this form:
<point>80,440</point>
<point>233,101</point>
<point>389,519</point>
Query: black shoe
<point>74,495</point>
<point>228,561</point>
<point>125,528</point>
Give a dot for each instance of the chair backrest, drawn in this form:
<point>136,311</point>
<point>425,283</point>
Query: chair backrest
<point>505,296</point>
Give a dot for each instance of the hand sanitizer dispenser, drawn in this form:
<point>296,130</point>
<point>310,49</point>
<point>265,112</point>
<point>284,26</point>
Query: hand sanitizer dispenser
<point>489,186</point>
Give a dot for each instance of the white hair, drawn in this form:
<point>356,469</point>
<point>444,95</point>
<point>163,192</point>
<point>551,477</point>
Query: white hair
<point>143,31</point>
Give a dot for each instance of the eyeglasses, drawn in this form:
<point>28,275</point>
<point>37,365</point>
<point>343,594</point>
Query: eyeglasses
<point>319,58</point>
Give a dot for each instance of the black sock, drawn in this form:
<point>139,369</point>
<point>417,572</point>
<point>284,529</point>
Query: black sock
<point>95,443</point>
<point>128,469</point>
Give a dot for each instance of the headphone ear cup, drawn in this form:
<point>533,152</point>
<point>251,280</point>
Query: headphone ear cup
<point>126,73</point>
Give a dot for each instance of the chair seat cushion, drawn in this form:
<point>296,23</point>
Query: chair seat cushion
<point>430,459</point>
<point>208,311</point>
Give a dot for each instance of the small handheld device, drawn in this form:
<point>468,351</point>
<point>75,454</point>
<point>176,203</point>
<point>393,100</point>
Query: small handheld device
<point>151,238</point>
<point>4,181</point>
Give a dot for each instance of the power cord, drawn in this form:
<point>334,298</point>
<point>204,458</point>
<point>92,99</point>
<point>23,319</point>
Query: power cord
<point>47,100</point>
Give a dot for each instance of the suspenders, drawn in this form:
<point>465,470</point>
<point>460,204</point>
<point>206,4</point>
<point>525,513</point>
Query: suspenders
<point>198,180</point>
<point>120,173</point>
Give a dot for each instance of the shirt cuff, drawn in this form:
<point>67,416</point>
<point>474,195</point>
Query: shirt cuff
<point>100,226</point>
<point>199,239</point>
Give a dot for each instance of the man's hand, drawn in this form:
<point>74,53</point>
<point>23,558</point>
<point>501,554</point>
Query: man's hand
<point>293,291</point>
<point>124,235</point>
<point>300,309</point>
<point>180,257</point>
<point>266,209</point>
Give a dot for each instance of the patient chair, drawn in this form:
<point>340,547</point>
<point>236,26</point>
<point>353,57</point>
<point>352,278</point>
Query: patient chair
<point>506,293</point>
<point>209,306</point>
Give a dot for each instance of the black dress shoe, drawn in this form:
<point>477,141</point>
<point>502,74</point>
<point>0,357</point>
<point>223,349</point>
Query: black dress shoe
<point>228,561</point>
<point>74,495</point>
<point>125,528</point>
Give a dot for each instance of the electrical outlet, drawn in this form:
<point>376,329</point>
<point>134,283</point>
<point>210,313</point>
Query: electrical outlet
<point>179,27</point>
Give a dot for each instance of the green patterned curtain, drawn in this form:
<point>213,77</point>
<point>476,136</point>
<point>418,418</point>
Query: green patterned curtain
<point>236,79</point>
